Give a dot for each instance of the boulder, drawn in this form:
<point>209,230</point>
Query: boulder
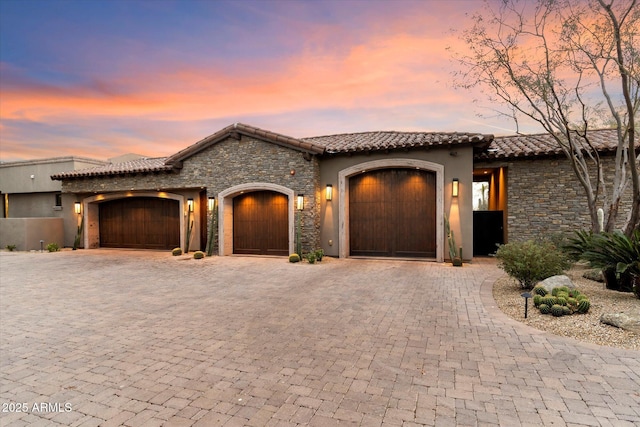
<point>629,320</point>
<point>557,281</point>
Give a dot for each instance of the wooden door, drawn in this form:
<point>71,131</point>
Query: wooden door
<point>392,213</point>
<point>140,223</point>
<point>260,223</point>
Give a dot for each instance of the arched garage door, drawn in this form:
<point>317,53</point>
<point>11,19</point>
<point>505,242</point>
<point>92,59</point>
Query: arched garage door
<point>392,213</point>
<point>260,221</point>
<point>140,223</point>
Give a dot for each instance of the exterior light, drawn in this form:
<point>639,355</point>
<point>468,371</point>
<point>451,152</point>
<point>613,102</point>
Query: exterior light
<point>300,202</point>
<point>76,207</point>
<point>526,296</point>
<point>190,205</point>
<point>329,192</point>
<point>455,188</point>
<point>212,203</point>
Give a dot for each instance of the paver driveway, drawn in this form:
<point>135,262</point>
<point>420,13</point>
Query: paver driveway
<point>110,337</point>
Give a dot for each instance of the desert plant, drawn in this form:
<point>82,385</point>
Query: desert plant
<point>11,248</point>
<point>294,258</point>
<point>530,262</point>
<point>548,300</point>
<point>198,255</point>
<point>544,309</point>
<point>619,253</point>
<point>561,301</point>
<point>537,300</point>
<point>456,258</point>
<point>560,289</point>
<point>311,257</point>
<point>578,244</point>
<point>540,290</point>
<point>583,306</point>
<point>556,310</point>
<point>566,310</point>
<point>176,251</point>
<point>76,241</point>
<point>53,247</point>
<point>319,254</point>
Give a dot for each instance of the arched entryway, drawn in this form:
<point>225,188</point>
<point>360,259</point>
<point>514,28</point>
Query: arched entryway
<point>392,207</point>
<point>256,218</point>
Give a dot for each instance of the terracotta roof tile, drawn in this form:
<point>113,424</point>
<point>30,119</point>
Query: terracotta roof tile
<point>143,165</point>
<point>389,140</point>
<point>539,145</point>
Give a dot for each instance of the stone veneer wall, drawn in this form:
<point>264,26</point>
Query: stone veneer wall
<point>544,197</point>
<point>223,165</point>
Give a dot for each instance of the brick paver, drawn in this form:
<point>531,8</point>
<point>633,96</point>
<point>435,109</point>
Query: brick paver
<point>114,337</point>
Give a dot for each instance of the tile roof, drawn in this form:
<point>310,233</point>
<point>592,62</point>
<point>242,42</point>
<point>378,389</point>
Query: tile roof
<point>143,165</point>
<point>389,140</point>
<point>540,145</point>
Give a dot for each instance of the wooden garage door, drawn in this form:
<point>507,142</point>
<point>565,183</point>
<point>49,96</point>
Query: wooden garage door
<point>260,222</point>
<point>392,213</point>
<point>140,223</point>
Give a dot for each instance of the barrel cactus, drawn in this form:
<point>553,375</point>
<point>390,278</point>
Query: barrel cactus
<point>544,309</point>
<point>176,252</point>
<point>198,255</point>
<point>556,310</point>
<point>583,306</point>
<point>561,301</point>
<point>548,300</point>
<point>540,290</point>
<point>294,258</point>
<point>537,300</point>
<point>566,310</point>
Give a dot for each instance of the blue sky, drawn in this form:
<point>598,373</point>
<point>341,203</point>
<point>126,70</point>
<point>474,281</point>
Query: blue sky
<point>101,78</point>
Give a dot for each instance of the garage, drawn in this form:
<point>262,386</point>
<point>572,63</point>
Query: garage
<point>260,221</point>
<point>392,213</point>
<point>140,223</point>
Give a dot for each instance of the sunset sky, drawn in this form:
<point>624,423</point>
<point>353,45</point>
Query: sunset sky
<point>100,78</point>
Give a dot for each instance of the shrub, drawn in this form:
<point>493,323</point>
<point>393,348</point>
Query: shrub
<point>617,253</point>
<point>176,252</point>
<point>198,255</point>
<point>311,257</point>
<point>294,258</point>
<point>11,248</point>
<point>530,262</point>
<point>53,247</point>
<point>319,254</point>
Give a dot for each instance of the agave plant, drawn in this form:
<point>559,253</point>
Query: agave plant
<point>618,253</point>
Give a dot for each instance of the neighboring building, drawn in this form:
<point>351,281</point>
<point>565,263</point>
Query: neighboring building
<point>382,194</point>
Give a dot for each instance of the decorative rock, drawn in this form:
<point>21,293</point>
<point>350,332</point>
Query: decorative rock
<point>629,321</point>
<point>557,281</point>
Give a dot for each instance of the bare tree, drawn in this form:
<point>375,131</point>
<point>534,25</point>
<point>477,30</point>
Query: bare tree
<point>572,66</point>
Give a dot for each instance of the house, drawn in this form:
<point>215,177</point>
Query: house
<point>380,194</point>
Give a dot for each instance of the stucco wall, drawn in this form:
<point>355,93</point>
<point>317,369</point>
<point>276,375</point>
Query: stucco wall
<point>224,165</point>
<point>26,233</point>
<point>544,197</point>
<point>456,163</point>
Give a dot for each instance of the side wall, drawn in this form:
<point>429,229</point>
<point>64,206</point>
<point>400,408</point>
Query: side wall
<point>26,233</point>
<point>544,197</point>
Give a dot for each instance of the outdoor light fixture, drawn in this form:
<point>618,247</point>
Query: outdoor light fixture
<point>212,203</point>
<point>190,204</point>
<point>300,202</point>
<point>455,188</point>
<point>329,192</point>
<point>76,207</point>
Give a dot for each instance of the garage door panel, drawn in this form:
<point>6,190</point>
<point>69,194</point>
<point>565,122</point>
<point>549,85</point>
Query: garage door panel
<point>140,223</point>
<point>260,223</point>
<point>392,213</point>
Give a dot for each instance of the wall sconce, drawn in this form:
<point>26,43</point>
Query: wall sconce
<point>212,203</point>
<point>455,187</point>
<point>190,205</point>
<point>329,192</point>
<point>76,207</point>
<point>300,202</point>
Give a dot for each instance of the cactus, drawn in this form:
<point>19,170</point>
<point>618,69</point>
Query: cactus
<point>311,257</point>
<point>198,255</point>
<point>294,258</point>
<point>176,252</point>
<point>558,290</point>
<point>549,300</point>
<point>566,310</point>
<point>572,302</point>
<point>556,310</point>
<point>540,290</point>
<point>581,297</point>
<point>561,301</point>
<point>544,309</point>
<point>537,300</point>
<point>583,306</point>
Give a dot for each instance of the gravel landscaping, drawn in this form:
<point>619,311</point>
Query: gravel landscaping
<point>582,327</point>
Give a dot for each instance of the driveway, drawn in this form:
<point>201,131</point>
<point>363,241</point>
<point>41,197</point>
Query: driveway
<point>115,337</point>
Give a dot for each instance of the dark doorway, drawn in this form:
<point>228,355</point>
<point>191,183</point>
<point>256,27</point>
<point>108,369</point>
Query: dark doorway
<point>488,231</point>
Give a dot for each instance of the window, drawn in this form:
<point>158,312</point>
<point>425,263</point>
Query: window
<point>58,200</point>
<point>481,196</point>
